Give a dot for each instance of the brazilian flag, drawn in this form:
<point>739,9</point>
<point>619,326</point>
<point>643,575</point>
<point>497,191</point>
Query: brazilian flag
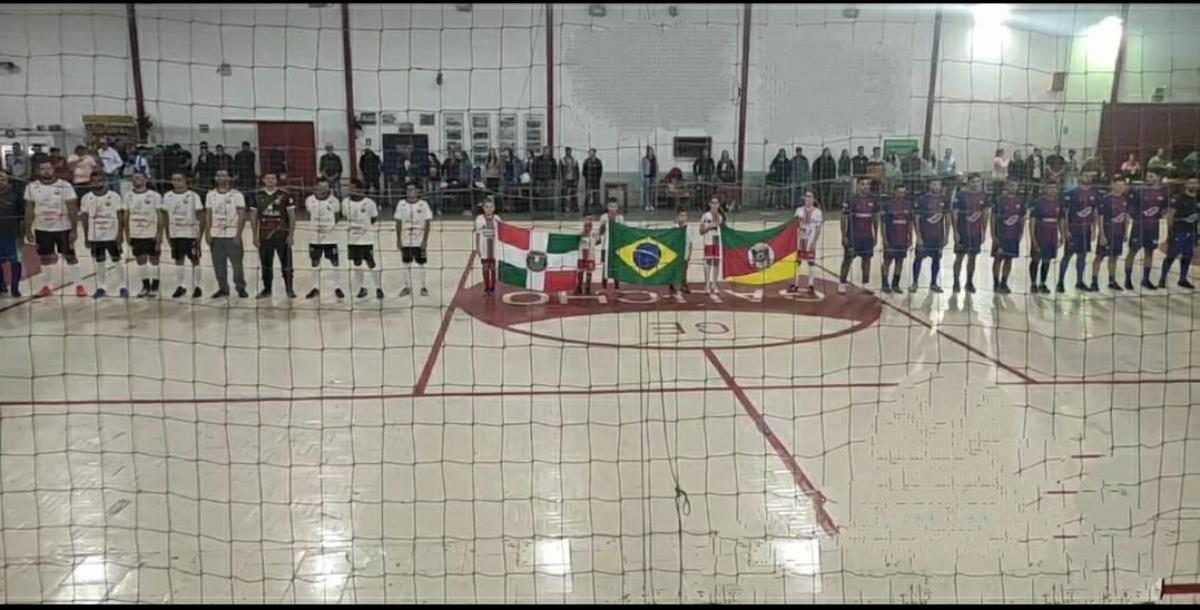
<point>646,256</point>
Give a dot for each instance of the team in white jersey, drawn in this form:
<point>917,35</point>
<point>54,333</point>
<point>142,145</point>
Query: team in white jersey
<point>487,226</point>
<point>612,216</point>
<point>413,218</point>
<point>323,209</point>
<point>226,221</point>
<point>810,222</point>
<point>184,224</point>
<point>710,230</point>
<point>144,209</point>
<point>50,219</point>
<point>103,215</point>
<point>361,214</point>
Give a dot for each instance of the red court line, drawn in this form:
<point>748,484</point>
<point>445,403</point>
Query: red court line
<point>34,297</point>
<point>1181,588</point>
<point>452,394</point>
<point>440,340</point>
<point>1097,381</point>
<point>802,481</point>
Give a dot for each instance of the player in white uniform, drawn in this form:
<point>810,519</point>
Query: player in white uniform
<point>587,259</point>
<point>811,220</point>
<point>144,207</point>
<point>323,209</point>
<point>612,215</point>
<point>185,223</point>
<point>681,220</point>
<point>361,214</point>
<point>487,225</point>
<point>413,218</point>
<point>103,214</point>
<point>710,230</point>
<point>50,217</point>
<point>226,223</point>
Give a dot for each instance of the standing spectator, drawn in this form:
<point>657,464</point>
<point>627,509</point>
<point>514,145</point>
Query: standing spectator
<point>704,170</point>
<point>858,165</point>
<point>59,163</point>
<point>824,174</point>
<point>845,164</point>
<point>205,171</point>
<point>876,155</point>
<point>276,162</point>
<point>465,182</point>
<point>948,170</point>
<point>110,165</point>
<point>81,165</point>
<point>12,231</point>
<point>1071,178</point>
<point>492,168</point>
<point>223,159</point>
<point>1191,164</point>
<point>593,169</point>
<point>801,175</point>
<point>244,166</point>
<point>779,180</point>
<point>1035,167</point>
<point>371,167</point>
<point>568,170</point>
<point>432,170</point>
<point>999,170</point>
<point>394,173</point>
<point>649,175</point>
<point>727,175</point>
<point>928,166</point>
<point>1018,169</point>
<point>331,169</point>
<point>910,168</point>
<point>18,162</point>
<point>36,158</point>
<point>1131,168</point>
<point>893,171</point>
<point>1159,162</point>
<point>510,176</point>
<point>544,172</point>
<point>1056,166</point>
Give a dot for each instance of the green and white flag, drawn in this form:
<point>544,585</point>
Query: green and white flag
<point>536,260</point>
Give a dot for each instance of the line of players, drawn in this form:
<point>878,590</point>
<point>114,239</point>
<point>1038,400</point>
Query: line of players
<point>143,219</point>
<point>1115,216</point>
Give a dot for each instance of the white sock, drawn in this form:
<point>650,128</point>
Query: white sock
<point>101,275</point>
<point>155,273</point>
<point>75,278</point>
<point>121,276</point>
<point>316,278</point>
<point>360,279</point>
<point>337,279</point>
<point>377,276</point>
<point>195,277</point>
<point>407,275</point>
<point>421,275</point>
<point>180,272</point>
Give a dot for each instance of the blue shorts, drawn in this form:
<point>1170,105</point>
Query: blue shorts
<point>1079,243</point>
<point>1114,247</point>
<point>1006,248</point>
<point>10,250</point>
<point>928,249</point>
<point>1044,251</point>
<point>861,247</point>
<point>1149,241</point>
<point>1181,245</point>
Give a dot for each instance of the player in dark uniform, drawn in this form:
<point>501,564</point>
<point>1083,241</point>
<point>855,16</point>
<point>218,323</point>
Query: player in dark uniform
<point>930,215</point>
<point>1113,217</point>
<point>1146,208</point>
<point>897,220</point>
<point>860,224</point>
<point>1044,234</point>
<point>1008,212</point>
<point>970,225</point>
<point>1182,221</point>
<point>1079,211</point>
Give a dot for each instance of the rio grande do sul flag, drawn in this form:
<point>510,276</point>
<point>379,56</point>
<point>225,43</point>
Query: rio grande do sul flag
<point>536,260</point>
<point>759,257</point>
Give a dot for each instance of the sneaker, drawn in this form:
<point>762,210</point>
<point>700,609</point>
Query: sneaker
<point>1148,285</point>
<point>957,288</point>
<point>144,292</point>
<point>242,294</point>
<point>100,293</point>
<point>912,288</point>
<point>80,291</point>
<point>339,293</point>
<point>1128,284</point>
<point>44,292</point>
<point>791,288</point>
<point>220,294</point>
<point>1095,287</point>
<point>1060,288</point>
<point>265,294</point>
<point>885,288</point>
<point>291,294</point>
<point>16,292</point>
<point>362,293</point>
<point>1185,284</point>
<point>670,289</point>
<point>312,294</point>
<point>935,288</point>
<point>1081,287</point>
<point>123,292</point>
<point>1162,283</point>
<point>812,289</point>
<point>379,293</point>
<point>1004,289</point>
<point>197,293</point>
<point>405,291</point>
<point>682,288</point>
<point>424,292</point>
<point>180,291</point>
<point>970,288</point>
<point>842,289</point>
<point>1114,286</point>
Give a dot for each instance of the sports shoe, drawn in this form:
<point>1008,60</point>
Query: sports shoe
<point>790,288</point>
<point>405,291</point>
<point>1148,285</point>
<point>362,293</point>
<point>291,293</point>
<point>180,291</point>
<point>1162,283</point>
<point>1060,288</point>
<point>1095,287</point>
<point>1004,289</point>
<point>842,289</point>
<point>220,294</point>
<point>123,292</point>
<point>100,293</point>
<point>1114,286</point>
<point>1185,284</point>
<point>312,294</point>
<point>379,293</point>
<point>44,292</point>
<point>1128,284</point>
<point>264,294</point>
<point>812,289</point>
<point>339,293</point>
<point>912,288</point>
<point>16,292</point>
<point>1081,287</point>
<point>197,293</point>
<point>957,288</point>
<point>80,291</point>
<point>935,288</point>
<point>885,288</point>
<point>682,288</point>
<point>424,292</point>
<point>144,292</point>
<point>970,288</point>
<point>242,294</point>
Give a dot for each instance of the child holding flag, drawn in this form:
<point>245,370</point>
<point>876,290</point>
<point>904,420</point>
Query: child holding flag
<point>710,230</point>
<point>485,244</point>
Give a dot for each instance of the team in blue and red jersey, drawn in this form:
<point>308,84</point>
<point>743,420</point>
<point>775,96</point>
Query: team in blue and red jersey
<point>970,225</point>
<point>930,214</point>
<point>1146,208</point>
<point>860,224</point>
<point>897,219</point>
<point>1008,214</point>
<point>1079,216</point>
<point>1183,220</point>
<point>1045,235</point>
<point>1113,216</point>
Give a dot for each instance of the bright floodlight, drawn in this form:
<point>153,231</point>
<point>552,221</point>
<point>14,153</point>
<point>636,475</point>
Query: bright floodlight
<point>992,15</point>
<point>1103,42</point>
<point>989,34</point>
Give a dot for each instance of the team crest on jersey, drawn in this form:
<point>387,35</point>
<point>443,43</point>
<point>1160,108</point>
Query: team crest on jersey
<point>935,218</point>
<point>1119,217</point>
<point>1012,220</point>
<point>974,216</point>
<point>1150,212</point>
<point>1084,212</point>
<point>761,256</point>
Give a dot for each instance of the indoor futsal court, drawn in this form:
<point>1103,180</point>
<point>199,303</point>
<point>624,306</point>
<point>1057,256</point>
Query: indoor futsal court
<point>695,434</point>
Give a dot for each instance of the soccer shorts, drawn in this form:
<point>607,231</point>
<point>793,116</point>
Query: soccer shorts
<point>587,264</point>
<point>185,247</point>
<point>969,245</point>
<point>861,247</point>
<point>897,253</point>
<point>1079,243</point>
<point>362,253</point>
<point>1144,241</point>
<point>1006,248</point>
<point>712,252</point>
<point>928,249</point>
<point>144,247</point>
<point>48,242</point>
<point>327,251</point>
<point>805,255</point>
<point>102,250</point>
<point>410,254</point>
<point>1114,247</point>
<point>10,250</point>
<point>1181,245</point>
<point>1044,250</point>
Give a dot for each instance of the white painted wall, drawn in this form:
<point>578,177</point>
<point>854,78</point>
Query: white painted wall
<point>634,77</point>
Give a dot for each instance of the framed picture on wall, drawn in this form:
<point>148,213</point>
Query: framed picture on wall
<point>506,133</point>
<point>481,137</point>
<point>452,136</point>
<point>533,132</point>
